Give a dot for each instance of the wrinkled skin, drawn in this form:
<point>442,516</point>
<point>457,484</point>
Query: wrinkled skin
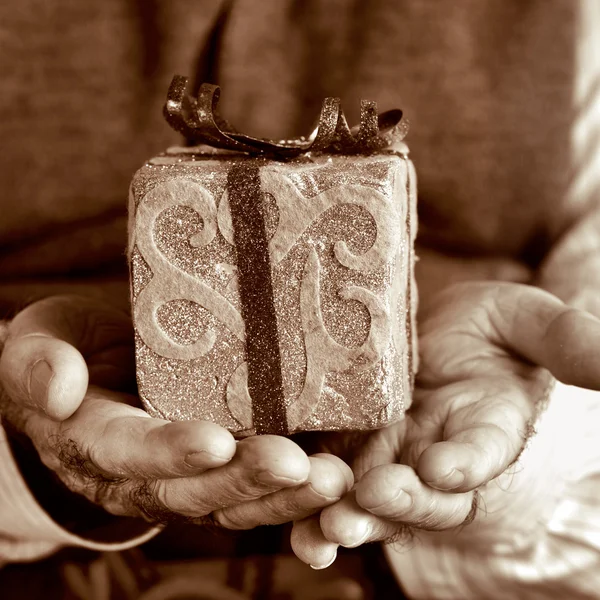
<point>103,446</point>
<point>488,355</point>
<point>486,352</point>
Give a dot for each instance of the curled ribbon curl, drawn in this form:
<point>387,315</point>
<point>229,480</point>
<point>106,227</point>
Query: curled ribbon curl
<point>199,121</point>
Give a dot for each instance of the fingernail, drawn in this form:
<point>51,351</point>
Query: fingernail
<point>451,481</point>
<point>363,538</point>
<point>320,567</point>
<point>269,478</point>
<point>202,457</point>
<point>320,496</point>
<point>360,542</point>
<point>39,379</point>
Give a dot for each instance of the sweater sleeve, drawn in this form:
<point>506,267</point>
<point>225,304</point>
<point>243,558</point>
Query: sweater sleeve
<point>27,529</point>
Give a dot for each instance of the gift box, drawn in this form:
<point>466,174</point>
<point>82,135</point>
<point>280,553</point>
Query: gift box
<point>272,282</point>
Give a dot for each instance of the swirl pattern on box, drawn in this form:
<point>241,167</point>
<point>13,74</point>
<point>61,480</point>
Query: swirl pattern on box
<point>340,256</point>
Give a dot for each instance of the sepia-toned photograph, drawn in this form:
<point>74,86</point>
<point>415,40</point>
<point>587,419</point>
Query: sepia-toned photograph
<point>300,300</point>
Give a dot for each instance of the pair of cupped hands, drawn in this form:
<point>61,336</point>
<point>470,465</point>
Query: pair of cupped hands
<point>488,353</point>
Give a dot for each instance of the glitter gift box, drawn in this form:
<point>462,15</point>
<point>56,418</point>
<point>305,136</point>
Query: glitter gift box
<point>271,295</point>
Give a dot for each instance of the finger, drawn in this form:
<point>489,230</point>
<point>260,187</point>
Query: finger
<point>262,465</point>
<point>537,326</point>
<point>347,524</point>
<point>158,449</point>
<point>310,545</point>
<point>395,493</point>
<point>484,432</point>
<point>551,334</point>
<point>43,373</point>
<point>346,471</point>
<point>120,441</point>
<point>41,366</point>
<point>328,480</point>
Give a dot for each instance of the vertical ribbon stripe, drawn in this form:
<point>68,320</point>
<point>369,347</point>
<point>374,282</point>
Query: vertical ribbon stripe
<point>256,294</point>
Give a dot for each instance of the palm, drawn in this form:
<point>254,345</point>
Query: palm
<point>94,436</point>
<point>476,398</point>
<point>469,387</point>
<point>108,349</point>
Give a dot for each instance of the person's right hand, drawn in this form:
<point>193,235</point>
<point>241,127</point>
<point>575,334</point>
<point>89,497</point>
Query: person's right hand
<point>64,366</point>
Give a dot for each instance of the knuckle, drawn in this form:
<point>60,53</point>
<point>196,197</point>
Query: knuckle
<point>108,494</point>
<point>148,497</point>
<point>73,458</point>
<point>283,507</point>
<point>242,487</point>
<point>152,501</point>
<point>159,492</point>
<point>400,535</point>
<point>183,498</point>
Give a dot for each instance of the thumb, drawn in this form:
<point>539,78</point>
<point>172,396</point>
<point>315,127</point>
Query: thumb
<point>523,320</point>
<point>549,333</point>
<point>40,367</point>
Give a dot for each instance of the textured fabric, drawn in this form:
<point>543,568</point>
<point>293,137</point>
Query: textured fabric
<point>488,87</point>
<point>503,97</point>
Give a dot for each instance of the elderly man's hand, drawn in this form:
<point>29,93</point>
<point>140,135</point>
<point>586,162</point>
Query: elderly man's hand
<point>488,354</point>
<point>102,446</point>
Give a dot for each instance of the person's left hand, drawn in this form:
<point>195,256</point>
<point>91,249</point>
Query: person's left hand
<point>488,352</point>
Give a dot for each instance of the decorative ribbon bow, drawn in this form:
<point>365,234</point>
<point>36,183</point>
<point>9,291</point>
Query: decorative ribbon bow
<point>198,120</point>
